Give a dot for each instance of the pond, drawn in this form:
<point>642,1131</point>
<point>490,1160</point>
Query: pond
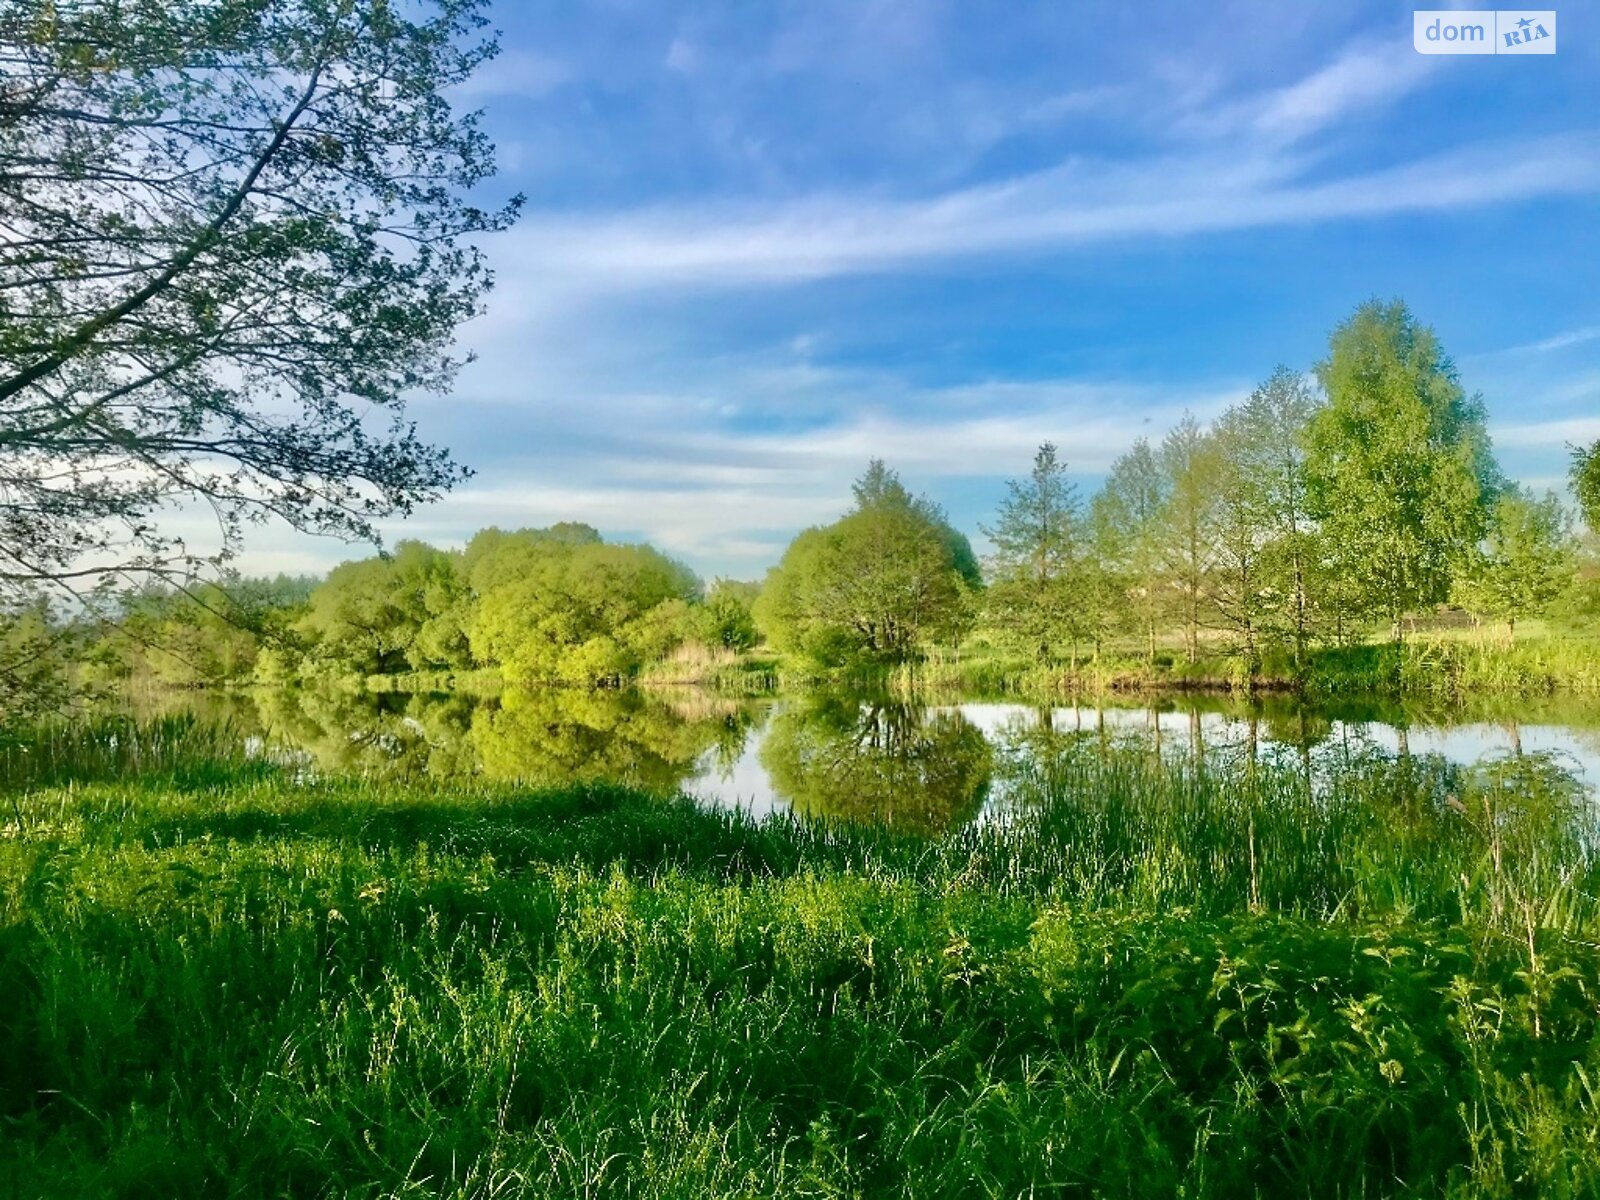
<point>920,767</point>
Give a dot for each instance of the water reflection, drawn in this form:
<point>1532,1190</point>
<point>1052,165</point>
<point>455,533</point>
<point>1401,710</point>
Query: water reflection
<point>914,769</point>
<point>552,737</point>
<point>658,741</point>
<point>921,768</point>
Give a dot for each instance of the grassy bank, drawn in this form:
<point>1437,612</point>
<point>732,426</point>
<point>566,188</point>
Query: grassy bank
<point>1157,980</point>
<point>1448,666</point>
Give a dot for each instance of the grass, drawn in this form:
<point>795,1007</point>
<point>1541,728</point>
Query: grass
<point>1345,976</point>
<point>1452,664</point>
<point>1457,667</point>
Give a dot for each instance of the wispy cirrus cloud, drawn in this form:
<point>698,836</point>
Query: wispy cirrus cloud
<point>1571,431</point>
<point>1364,77</point>
<point>1079,203</point>
<point>1558,341</point>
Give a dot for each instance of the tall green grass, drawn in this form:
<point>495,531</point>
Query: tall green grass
<point>1455,668</point>
<point>179,747</point>
<point>1435,665</point>
<point>1147,976</point>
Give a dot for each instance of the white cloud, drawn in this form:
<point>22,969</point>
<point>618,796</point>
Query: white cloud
<point>1363,77</point>
<point>1078,203</point>
<point>1571,431</point>
<point>729,501</point>
<point>1559,341</point>
<point>682,57</point>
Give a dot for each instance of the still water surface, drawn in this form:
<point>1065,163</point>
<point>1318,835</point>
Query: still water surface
<point>920,767</point>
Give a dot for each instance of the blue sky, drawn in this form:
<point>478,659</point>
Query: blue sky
<point>766,241</point>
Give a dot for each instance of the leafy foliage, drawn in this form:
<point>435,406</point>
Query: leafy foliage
<point>584,613</point>
<point>876,586</point>
<point>1586,482</point>
<point>1266,538</point>
<point>1126,516</point>
<point>727,618</point>
<point>1186,539</point>
<point>1525,560</point>
<point>1400,468</point>
<point>1043,583</point>
<point>238,235</point>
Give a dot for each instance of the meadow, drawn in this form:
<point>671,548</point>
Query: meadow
<point>1354,975</point>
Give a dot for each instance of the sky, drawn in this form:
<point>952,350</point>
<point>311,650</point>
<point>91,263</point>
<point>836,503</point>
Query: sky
<point>767,241</point>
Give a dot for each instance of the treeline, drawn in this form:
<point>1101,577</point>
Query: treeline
<point>1303,515</point>
<point>557,604</point>
<point>535,605</point>
<point>531,605</point>
<point>1320,508</point>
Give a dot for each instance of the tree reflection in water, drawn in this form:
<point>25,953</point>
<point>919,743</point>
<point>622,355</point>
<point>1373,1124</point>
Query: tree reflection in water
<point>878,761</point>
<point>552,737</point>
<point>560,736</point>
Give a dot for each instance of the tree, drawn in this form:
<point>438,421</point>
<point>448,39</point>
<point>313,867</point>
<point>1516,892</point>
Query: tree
<point>584,612</point>
<point>495,556</point>
<point>1266,535</point>
<point>1186,529</point>
<point>1125,522</point>
<point>363,620</point>
<point>237,234</point>
<point>1586,483</point>
<point>1399,463</point>
<point>1579,602</point>
<point>726,620</point>
<point>875,586</point>
<point>38,654</point>
<point>1524,563</point>
<point>1038,591</point>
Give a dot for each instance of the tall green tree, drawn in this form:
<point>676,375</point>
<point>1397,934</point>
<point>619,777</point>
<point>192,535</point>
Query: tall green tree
<point>726,620</point>
<point>365,618</point>
<point>1125,525</point>
<point>1586,483</point>
<point>1400,467</point>
<point>1525,561</point>
<point>1187,530</point>
<point>1039,591</point>
<point>876,586</point>
<point>587,613</point>
<point>238,233</point>
<point>1238,596</point>
<point>1266,545</point>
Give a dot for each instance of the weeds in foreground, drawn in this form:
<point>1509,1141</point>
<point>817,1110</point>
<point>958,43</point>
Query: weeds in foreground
<point>1362,976</point>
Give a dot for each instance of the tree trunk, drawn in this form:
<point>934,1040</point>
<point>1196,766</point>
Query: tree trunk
<point>1300,621</point>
